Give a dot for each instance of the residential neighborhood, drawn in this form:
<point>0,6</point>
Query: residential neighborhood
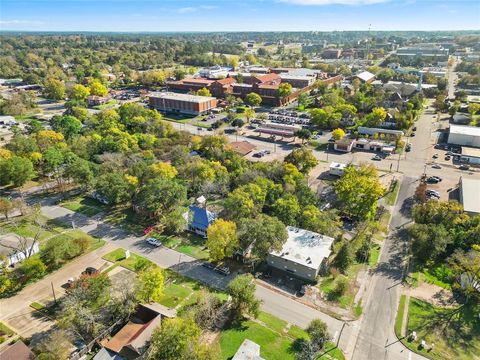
<point>287,194</point>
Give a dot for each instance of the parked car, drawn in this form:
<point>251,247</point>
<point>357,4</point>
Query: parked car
<point>408,147</point>
<point>447,157</point>
<point>222,270</point>
<point>302,290</point>
<point>90,271</point>
<point>377,158</point>
<point>208,265</point>
<point>464,167</point>
<point>414,128</point>
<point>435,156</point>
<point>412,134</point>
<point>258,155</point>
<point>154,242</point>
<point>436,166</point>
<point>432,180</point>
<point>432,192</point>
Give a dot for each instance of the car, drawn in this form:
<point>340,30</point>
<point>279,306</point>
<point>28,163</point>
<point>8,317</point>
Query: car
<point>436,166</point>
<point>449,153</point>
<point>377,158</point>
<point>266,152</point>
<point>258,155</point>
<point>210,129</point>
<point>432,180</point>
<point>412,134</point>
<point>408,147</point>
<point>414,128</point>
<point>464,167</point>
<point>303,290</point>
<point>154,242</point>
<point>447,157</point>
<point>435,156</point>
<point>208,265</point>
<point>199,128</point>
<point>432,192</point>
<point>222,270</point>
<point>90,271</point>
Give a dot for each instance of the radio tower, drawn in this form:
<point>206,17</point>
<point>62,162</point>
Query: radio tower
<point>368,42</point>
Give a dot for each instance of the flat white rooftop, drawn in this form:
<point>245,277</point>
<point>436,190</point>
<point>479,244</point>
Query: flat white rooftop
<point>181,97</point>
<point>305,247</point>
<point>464,130</point>
<point>471,195</point>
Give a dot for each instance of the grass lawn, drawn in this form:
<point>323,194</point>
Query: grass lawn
<point>275,338</point>
<point>84,205</point>
<point>374,255</point>
<point>328,284</point>
<point>455,332</point>
<point>399,319</point>
<point>5,332</point>
<point>435,274</point>
<point>107,105</point>
<point>186,243</point>
<point>175,294</point>
<point>25,227</point>
<point>391,196</point>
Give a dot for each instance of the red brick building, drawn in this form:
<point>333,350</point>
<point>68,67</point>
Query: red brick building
<point>169,102</point>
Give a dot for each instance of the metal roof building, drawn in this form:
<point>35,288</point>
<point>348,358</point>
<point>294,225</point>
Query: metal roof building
<point>470,195</point>
<point>464,135</point>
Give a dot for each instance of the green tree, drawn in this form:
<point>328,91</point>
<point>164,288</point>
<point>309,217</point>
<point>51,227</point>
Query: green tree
<point>222,239</point>
<point>6,206</point>
<point>338,134</point>
<point>358,191</point>
<point>244,302</point>
<point>322,222</point>
<point>81,172</point>
<point>318,333</point>
<point>287,209</point>
<point>473,109</point>
<point>303,159</point>
<point>16,170</point>
<point>115,188</point>
<point>376,117</point>
<point>79,92</point>
<point>68,125</point>
<point>253,99</point>
<point>203,92</point>
<point>304,134</point>
<point>32,268</point>
<point>178,339</point>
<point>97,88</point>
<point>238,205</point>
<point>263,234</point>
<point>249,114</point>
<point>54,89</point>
<point>344,257</point>
<point>284,89</point>
<point>159,196</point>
<point>150,285</point>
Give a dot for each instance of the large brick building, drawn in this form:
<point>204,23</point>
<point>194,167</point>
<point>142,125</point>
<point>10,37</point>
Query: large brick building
<point>169,102</point>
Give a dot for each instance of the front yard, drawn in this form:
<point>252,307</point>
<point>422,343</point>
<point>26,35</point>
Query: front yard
<point>454,332</point>
<point>275,337</point>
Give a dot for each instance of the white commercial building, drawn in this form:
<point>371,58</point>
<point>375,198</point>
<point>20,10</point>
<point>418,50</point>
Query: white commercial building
<point>303,254</point>
<point>470,195</point>
<point>464,135</point>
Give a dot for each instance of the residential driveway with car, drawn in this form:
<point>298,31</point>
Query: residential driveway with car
<point>16,311</point>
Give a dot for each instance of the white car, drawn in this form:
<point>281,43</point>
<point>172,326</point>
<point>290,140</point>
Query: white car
<point>153,241</point>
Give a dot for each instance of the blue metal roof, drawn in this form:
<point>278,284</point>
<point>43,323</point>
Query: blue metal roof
<point>201,218</point>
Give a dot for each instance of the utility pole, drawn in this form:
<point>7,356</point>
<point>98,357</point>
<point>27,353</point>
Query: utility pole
<point>398,162</point>
<point>53,291</point>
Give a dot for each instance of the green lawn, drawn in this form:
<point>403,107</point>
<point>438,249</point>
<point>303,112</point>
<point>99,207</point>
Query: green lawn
<point>134,263</point>
<point>455,332</point>
<point>186,243</point>
<point>374,255</point>
<point>107,105</point>
<point>84,205</point>
<point>175,294</point>
<point>26,227</point>
<point>5,332</point>
<point>273,335</point>
<point>391,196</point>
<point>399,319</point>
<point>328,284</point>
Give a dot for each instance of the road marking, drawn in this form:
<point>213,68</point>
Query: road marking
<point>335,335</point>
<point>409,355</point>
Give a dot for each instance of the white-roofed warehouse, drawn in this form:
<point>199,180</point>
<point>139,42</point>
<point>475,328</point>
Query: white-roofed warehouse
<point>464,135</point>
<point>470,195</point>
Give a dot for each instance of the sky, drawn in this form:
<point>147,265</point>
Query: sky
<point>242,15</point>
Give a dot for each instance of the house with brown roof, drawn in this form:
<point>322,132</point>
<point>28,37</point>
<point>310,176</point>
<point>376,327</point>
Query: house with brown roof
<point>134,338</point>
<point>17,351</point>
<point>242,147</point>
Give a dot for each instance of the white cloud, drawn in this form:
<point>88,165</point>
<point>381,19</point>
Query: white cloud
<point>208,7</point>
<point>186,10</point>
<point>333,2</point>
